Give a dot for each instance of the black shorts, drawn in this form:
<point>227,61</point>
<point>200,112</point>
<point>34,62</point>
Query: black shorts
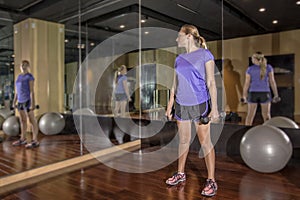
<point>121,97</point>
<point>192,112</point>
<point>259,97</point>
<point>24,106</point>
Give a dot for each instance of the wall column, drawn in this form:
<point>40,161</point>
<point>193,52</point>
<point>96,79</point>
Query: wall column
<point>42,44</point>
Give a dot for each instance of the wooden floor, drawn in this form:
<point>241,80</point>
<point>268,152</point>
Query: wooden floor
<point>235,179</point>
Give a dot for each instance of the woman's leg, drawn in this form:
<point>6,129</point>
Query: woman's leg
<point>266,111</point>
<point>123,108</point>
<point>34,125</point>
<point>23,124</point>
<point>251,113</point>
<point>203,133</point>
<point>184,132</point>
<point>117,108</point>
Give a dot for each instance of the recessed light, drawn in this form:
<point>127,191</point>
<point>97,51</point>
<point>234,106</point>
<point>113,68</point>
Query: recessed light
<point>262,10</point>
<point>275,21</point>
<point>122,26</point>
<point>298,2</point>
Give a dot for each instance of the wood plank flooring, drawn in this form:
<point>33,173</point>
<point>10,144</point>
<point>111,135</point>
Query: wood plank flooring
<point>235,179</point>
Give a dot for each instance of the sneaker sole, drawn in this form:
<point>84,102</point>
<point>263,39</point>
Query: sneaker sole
<point>176,183</point>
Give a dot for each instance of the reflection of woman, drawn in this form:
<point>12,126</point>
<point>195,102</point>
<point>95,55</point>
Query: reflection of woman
<point>232,84</point>
<point>259,78</point>
<point>7,94</point>
<point>195,95</point>
<point>26,103</point>
<point>121,91</point>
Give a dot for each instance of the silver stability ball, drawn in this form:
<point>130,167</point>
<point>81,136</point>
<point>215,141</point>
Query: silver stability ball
<point>282,122</point>
<point>11,126</point>
<point>51,123</point>
<point>5,113</point>
<point>266,148</point>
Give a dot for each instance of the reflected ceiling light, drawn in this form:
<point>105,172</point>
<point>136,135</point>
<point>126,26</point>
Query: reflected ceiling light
<point>186,8</point>
<point>122,26</point>
<point>275,21</point>
<point>298,2</point>
<point>80,46</point>
<point>262,10</point>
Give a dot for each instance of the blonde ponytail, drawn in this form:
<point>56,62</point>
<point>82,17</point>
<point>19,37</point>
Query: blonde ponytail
<point>263,67</point>
<point>202,42</point>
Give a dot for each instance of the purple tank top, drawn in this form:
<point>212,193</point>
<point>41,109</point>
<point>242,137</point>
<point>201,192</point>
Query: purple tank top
<point>257,84</point>
<point>190,70</point>
<point>22,86</point>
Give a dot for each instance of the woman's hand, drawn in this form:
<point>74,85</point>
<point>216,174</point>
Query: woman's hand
<point>214,116</point>
<point>169,113</point>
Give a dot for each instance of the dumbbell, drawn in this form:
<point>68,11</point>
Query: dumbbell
<point>206,119</point>
<point>276,99</point>
<point>243,100</point>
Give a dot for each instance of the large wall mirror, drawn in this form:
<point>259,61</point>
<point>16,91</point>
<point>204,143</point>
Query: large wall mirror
<point>99,36</point>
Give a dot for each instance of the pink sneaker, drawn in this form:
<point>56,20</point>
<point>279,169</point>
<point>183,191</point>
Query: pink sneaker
<point>176,178</point>
<point>210,188</point>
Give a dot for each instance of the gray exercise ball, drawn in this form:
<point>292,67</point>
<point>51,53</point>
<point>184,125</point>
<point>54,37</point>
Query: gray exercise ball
<point>5,113</point>
<point>266,148</point>
<point>282,122</point>
<point>11,126</point>
<point>52,123</point>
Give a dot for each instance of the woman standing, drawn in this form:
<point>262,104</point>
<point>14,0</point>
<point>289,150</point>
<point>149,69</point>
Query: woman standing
<point>121,91</point>
<point>259,77</point>
<point>195,95</point>
<point>24,95</point>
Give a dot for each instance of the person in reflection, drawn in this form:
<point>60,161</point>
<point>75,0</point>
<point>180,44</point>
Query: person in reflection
<point>259,78</point>
<point>24,95</point>
<point>121,93</point>
<point>233,86</point>
<point>194,94</point>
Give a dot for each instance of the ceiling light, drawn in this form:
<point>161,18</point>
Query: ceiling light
<point>262,10</point>
<point>92,44</point>
<point>275,21</point>
<point>122,26</point>
<point>146,32</point>
<point>143,21</point>
<point>298,2</point>
<point>66,40</point>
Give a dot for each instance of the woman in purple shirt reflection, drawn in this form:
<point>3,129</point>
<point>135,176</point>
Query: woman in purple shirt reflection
<point>24,95</point>
<point>259,78</point>
<point>194,94</point>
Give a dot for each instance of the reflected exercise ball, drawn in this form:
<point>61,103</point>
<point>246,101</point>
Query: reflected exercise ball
<point>266,148</point>
<point>5,113</point>
<point>282,122</point>
<point>11,126</point>
<point>51,123</point>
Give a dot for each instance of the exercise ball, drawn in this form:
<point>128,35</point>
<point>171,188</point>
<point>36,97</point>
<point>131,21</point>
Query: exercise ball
<point>84,111</point>
<point>282,122</point>
<point>51,123</point>
<point>5,113</point>
<point>11,126</point>
<point>266,148</point>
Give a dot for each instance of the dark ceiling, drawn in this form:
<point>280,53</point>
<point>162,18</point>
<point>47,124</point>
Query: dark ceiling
<point>100,19</point>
